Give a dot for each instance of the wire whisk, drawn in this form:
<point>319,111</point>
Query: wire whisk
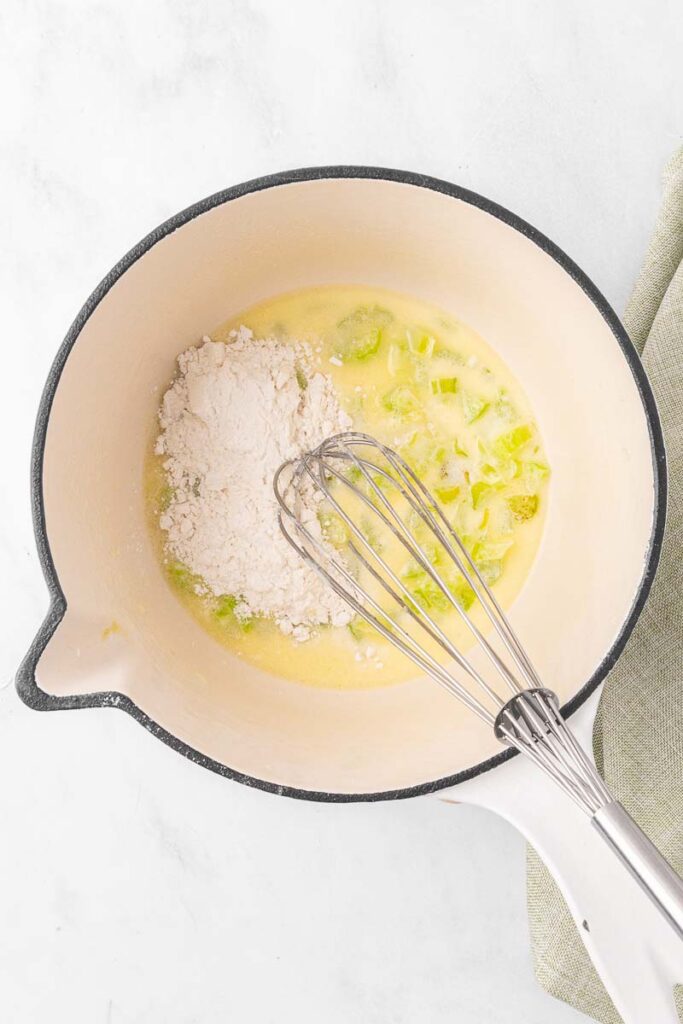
<point>375,494</point>
<point>354,473</point>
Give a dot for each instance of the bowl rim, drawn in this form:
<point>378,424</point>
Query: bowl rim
<point>25,680</point>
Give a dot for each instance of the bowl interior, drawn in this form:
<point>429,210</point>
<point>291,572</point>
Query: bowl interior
<point>125,631</point>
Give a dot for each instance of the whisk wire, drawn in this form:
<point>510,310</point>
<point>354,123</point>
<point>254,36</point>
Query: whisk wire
<point>417,552</point>
<point>397,634</point>
<point>530,721</point>
<point>406,601</point>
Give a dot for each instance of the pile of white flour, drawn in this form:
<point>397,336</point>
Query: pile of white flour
<point>232,416</point>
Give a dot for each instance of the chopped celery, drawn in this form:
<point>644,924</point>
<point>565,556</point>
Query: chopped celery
<point>166,496</point>
<point>361,332</point>
<point>421,343</point>
<point>532,474</point>
<point>492,548</point>
<point>225,613</point>
<point>497,465</point>
<point>504,407</point>
<point>301,379</point>
<point>334,528</point>
<point>446,494</point>
<point>422,452</point>
<point>473,406</point>
<point>402,401</point>
<point>523,506</point>
<point>183,578</point>
<point>369,531</point>
<point>449,355</point>
<point>462,592</point>
<point>479,492</point>
<point>395,360</point>
<point>458,449</point>
<point>513,440</point>
<point>491,571</point>
<point>489,472</point>
<point>444,386</point>
<point>225,606</point>
<point>430,596</point>
<point>360,629</point>
<point>418,369</point>
<point>412,571</point>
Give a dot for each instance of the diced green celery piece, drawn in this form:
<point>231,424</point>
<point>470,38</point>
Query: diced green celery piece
<point>507,468</point>
<point>360,629</point>
<point>166,496</point>
<point>413,571</point>
<point>419,368</point>
<point>489,472</point>
<point>533,474</point>
<point>523,506</point>
<point>479,492</point>
<point>446,494</point>
<point>492,548</point>
<point>463,594</point>
<point>224,612</point>
<point>496,466</point>
<point>458,449</point>
<point>423,453</point>
<point>513,440</point>
<point>225,606</point>
<point>301,379</point>
<point>361,332</point>
<point>444,386</point>
<point>504,407</point>
<point>402,401</point>
<point>421,343</point>
<point>396,360</point>
<point>433,551</point>
<point>491,571</point>
<point>371,534</point>
<point>429,595</point>
<point>473,406</point>
<point>449,354</point>
<point>334,528</point>
<point>182,577</point>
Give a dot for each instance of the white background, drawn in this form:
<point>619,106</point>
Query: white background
<point>135,887</point>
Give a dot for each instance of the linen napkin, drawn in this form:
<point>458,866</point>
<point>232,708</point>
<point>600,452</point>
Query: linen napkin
<point>638,733</point>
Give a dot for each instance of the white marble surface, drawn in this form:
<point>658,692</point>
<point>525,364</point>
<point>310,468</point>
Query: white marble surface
<point>135,887</point>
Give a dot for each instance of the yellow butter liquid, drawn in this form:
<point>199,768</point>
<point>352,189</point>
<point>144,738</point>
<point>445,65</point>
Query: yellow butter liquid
<point>334,657</point>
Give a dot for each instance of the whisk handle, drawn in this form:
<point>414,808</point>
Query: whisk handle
<point>632,943</point>
<point>642,858</point>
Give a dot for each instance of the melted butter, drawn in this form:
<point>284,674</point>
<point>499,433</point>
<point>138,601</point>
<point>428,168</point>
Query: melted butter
<point>334,658</point>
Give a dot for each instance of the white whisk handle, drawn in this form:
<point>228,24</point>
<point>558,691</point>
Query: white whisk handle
<point>637,953</point>
<point>642,858</point>
<point>532,722</point>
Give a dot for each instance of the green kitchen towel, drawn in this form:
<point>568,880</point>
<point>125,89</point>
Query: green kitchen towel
<point>638,734</point>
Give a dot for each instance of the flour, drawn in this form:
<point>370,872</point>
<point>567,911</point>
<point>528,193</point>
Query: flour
<point>232,416</point>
